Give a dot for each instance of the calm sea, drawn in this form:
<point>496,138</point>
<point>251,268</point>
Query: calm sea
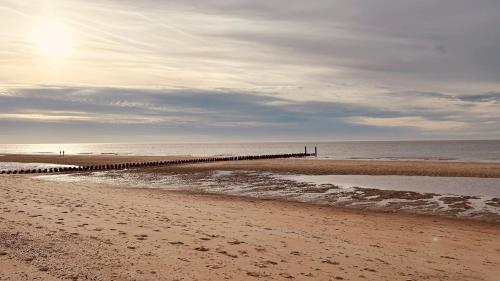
<point>480,151</point>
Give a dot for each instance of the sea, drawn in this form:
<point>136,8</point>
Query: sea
<point>456,197</point>
<point>463,150</point>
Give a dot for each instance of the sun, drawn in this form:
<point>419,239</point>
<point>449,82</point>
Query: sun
<point>53,39</point>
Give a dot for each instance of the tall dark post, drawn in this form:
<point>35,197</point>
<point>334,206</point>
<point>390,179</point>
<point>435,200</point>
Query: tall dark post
<point>305,150</point>
<point>316,151</point>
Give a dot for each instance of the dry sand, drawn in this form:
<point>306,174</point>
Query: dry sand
<point>76,231</point>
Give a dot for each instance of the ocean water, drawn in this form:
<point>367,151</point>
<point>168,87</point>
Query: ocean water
<point>5,166</point>
<point>422,184</point>
<point>476,151</point>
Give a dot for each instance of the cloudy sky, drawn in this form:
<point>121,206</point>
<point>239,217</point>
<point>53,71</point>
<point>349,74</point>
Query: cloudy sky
<point>234,70</point>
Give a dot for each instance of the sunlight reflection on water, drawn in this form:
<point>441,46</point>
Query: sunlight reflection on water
<point>480,151</point>
<point>5,166</point>
<point>441,185</point>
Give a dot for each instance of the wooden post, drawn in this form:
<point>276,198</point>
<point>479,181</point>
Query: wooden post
<point>316,151</point>
<point>305,150</point>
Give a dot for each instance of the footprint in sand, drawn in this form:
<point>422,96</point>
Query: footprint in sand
<point>202,249</point>
<point>264,264</point>
<point>257,274</point>
<point>330,262</point>
<point>286,275</point>
<point>141,237</point>
<point>260,249</point>
<point>224,252</point>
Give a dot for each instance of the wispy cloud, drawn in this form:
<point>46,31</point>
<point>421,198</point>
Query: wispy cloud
<point>327,50</point>
<point>122,112</point>
<point>487,97</point>
<point>330,69</point>
<point>409,122</point>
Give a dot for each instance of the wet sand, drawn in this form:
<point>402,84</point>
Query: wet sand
<point>302,166</point>
<point>83,160</point>
<point>362,167</point>
<point>94,231</point>
<point>75,231</point>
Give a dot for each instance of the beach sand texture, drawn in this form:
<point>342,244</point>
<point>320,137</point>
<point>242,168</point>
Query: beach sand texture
<point>75,231</point>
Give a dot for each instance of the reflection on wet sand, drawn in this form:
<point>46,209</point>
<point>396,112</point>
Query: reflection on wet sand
<point>322,190</point>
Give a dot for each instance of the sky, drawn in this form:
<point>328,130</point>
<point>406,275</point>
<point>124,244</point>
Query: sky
<point>261,70</point>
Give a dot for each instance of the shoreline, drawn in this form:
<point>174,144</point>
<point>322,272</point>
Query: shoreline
<point>256,186</point>
<point>299,166</point>
<point>299,204</point>
<point>89,231</point>
<point>221,197</point>
<point>274,179</point>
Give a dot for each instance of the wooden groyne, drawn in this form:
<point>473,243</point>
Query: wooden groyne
<point>141,165</point>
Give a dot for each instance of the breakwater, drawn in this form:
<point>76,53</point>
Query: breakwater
<point>141,165</point>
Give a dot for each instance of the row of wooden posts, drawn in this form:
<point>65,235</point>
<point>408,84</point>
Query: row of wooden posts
<point>154,164</point>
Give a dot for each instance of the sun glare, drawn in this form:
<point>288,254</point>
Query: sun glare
<point>53,39</point>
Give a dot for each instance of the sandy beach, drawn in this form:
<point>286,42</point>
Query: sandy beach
<point>249,140</point>
<point>53,230</point>
<point>90,232</point>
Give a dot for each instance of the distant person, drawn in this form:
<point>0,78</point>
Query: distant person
<point>63,153</point>
<point>60,153</point>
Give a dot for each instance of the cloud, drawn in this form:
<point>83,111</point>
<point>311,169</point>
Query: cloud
<point>408,121</point>
<point>288,69</point>
<point>323,51</point>
<point>41,116</point>
<point>76,113</point>
<point>487,97</point>
<point>161,106</point>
